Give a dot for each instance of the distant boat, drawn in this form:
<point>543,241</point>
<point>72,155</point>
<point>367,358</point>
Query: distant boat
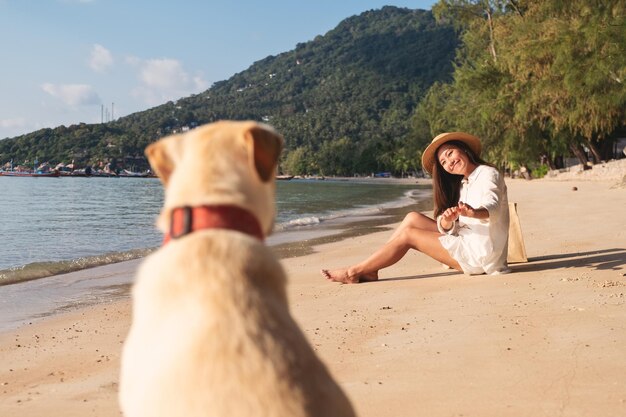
<point>284,177</point>
<point>83,172</point>
<point>130,174</point>
<point>104,174</point>
<point>50,174</point>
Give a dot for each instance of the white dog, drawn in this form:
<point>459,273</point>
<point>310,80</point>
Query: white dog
<point>212,334</point>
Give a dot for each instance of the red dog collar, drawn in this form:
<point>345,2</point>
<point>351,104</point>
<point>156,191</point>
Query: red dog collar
<point>185,220</point>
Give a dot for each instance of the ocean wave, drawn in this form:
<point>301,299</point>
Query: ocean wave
<point>38,270</point>
<point>302,221</point>
<point>409,197</point>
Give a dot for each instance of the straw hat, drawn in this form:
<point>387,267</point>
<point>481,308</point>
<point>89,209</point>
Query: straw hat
<point>429,155</point>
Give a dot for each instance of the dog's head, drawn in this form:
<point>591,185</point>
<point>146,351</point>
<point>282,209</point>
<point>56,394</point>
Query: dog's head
<point>221,163</point>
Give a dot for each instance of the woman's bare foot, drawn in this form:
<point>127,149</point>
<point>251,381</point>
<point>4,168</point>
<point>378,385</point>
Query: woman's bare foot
<point>344,276</point>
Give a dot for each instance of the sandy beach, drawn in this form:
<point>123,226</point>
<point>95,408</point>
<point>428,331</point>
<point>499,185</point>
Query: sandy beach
<point>546,340</point>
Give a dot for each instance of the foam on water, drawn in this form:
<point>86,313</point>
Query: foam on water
<point>409,197</point>
<point>68,235</point>
<point>37,270</point>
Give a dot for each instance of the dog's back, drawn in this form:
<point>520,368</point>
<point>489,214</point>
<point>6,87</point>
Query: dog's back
<point>217,339</point>
<point>212,335</point>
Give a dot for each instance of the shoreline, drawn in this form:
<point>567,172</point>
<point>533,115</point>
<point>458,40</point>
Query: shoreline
<point>547,339</point>
<point>87,286</point>
<point>289,228</point>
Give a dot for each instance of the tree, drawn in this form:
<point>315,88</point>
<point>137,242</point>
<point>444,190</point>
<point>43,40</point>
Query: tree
<point>571,54</point>
<point>360,81</point>
<point>534,78</point>
<point>297,162</point>
<point>477,16</point>
<point>335,157</point>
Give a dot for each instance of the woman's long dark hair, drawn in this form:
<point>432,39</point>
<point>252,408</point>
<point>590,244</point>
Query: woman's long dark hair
<point>446,186</point>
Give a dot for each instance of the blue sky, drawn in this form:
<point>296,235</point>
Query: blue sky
<point>62,60</point>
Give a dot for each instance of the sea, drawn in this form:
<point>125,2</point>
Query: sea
<point>52,226</point>
<point>54,232</point>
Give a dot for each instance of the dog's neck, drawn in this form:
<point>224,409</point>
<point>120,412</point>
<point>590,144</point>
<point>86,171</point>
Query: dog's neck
<point>184,220</point>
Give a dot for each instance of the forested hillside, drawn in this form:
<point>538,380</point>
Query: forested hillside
<point>536,80</point>
<point>344,101</point>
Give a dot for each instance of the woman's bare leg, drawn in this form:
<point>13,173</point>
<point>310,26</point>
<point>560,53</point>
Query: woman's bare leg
<point>414,220</point>
<point>426,241</point>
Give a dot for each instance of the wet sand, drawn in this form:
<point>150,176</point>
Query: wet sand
<point>546,340</point>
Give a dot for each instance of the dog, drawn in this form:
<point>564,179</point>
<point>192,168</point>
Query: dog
<point>211,332</point>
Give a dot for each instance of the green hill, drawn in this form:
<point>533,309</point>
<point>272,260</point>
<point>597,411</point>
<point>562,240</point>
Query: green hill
<point>343,101</point>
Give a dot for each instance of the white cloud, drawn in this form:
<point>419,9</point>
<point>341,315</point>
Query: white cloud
<point>164,79</point>
<point>73,94</point>
<point>11,127</point>
<point>101,58</point>
<point>12,123</point>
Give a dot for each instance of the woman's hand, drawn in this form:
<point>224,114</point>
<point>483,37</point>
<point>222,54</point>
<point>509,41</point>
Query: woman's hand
<point>468,211</point>
<point>448,217</point>
<point>465,209</point>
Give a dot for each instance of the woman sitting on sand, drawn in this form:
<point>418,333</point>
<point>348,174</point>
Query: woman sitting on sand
<point>470,233</point>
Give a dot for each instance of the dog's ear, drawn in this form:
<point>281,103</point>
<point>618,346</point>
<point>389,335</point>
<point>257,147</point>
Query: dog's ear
<point>161,155</point>
<point>264,147</point>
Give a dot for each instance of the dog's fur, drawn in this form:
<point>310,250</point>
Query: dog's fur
<point>212,334</point>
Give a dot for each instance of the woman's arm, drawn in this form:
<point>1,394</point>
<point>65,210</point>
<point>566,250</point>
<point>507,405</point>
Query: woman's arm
<point>468,211</point>
<point>447,220</point>
<point>487,187</point>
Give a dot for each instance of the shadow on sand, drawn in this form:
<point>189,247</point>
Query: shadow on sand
<point>606,259</point>
<point>602,260</point>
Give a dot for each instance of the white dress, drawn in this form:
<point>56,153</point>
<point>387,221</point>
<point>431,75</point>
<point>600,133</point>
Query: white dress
<point>480,246</point>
